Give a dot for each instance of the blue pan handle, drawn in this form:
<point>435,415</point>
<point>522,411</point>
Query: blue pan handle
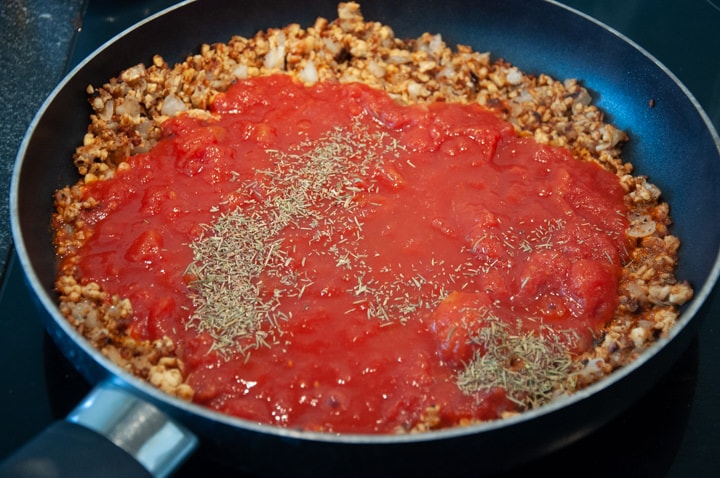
<point>111,434</point>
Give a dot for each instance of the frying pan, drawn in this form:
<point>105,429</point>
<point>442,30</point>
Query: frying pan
<point>140,431</point>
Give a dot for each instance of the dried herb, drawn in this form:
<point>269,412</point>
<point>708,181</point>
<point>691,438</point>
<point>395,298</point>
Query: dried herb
<point>531,366</point>
<point>311,186</point>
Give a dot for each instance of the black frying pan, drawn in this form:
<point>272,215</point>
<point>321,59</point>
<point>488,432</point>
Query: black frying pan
<point>673,143</point>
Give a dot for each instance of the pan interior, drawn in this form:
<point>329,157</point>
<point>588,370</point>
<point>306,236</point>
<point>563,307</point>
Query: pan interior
<point>673,142</point>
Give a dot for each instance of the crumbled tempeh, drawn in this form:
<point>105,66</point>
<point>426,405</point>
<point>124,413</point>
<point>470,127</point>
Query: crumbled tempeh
<point>128,112</point>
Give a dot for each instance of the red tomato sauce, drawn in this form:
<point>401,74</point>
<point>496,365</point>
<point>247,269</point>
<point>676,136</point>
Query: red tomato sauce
<point>445,211</point>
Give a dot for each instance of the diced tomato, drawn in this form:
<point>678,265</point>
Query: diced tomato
<point>146,247</point>
<point>390,236</point>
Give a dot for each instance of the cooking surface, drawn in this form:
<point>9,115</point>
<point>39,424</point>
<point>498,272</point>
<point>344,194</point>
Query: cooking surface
<point>673,431</point>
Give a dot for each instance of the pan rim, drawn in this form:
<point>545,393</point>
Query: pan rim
<point>689,314</point>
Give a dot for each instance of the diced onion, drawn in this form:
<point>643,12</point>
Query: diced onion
<point>172,106</point>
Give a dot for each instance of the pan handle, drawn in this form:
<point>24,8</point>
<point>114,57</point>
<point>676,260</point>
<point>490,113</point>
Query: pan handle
<point>112,433</point>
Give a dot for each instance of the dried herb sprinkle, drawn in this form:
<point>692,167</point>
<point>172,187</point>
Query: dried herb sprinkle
<point>311,186</point>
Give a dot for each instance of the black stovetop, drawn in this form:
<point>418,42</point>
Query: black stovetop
<point>673,431</point>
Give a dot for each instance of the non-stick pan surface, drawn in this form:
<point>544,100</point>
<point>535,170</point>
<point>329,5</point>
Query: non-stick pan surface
<point>672,142</point>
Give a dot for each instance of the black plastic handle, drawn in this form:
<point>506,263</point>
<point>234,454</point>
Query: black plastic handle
<point>113,433</point>
<point>66,449</point>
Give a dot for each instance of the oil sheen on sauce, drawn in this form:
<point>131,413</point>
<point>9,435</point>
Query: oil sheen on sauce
<point>388,235</point>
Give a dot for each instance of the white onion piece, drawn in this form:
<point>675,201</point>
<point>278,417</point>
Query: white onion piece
<point>172,106</point>
<point>642,226</point>
<point>309,73</point>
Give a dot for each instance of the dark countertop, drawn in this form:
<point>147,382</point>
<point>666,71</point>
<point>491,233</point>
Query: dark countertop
<point>674,431</point>
<point>37,37</point>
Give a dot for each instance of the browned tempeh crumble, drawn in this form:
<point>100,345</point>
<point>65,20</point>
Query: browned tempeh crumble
<point>128,112</point>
